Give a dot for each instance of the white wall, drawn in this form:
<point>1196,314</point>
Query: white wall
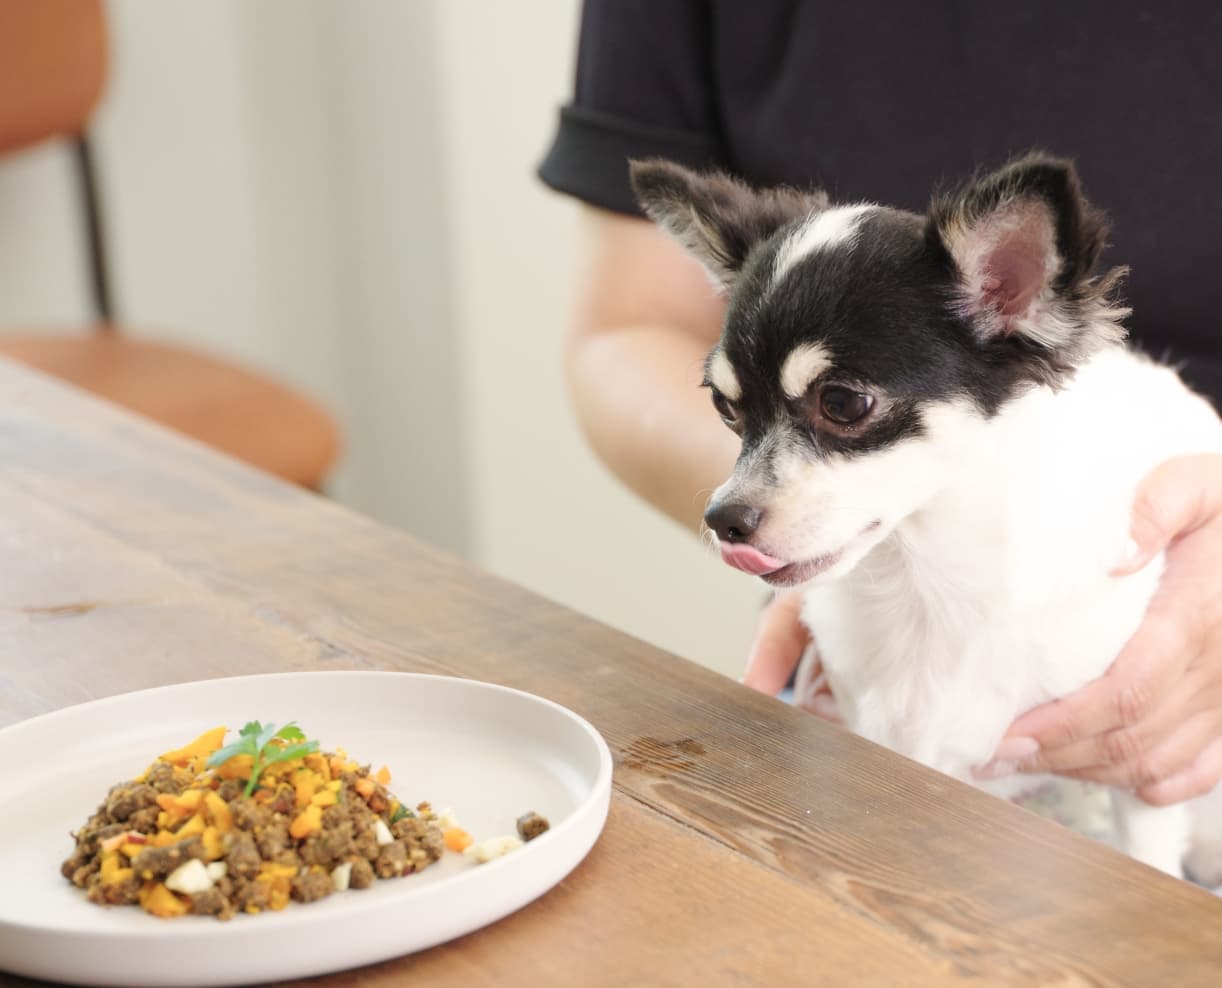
<point>344,194</point>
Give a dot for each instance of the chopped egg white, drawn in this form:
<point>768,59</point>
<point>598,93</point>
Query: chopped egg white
<point>217,870</point>
<point>492,848</point>
<point>189,878</point>
<point>382,832</point>
<point>341,876</point>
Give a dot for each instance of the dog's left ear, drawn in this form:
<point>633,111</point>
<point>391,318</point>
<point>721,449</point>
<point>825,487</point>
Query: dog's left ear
<point>1024,242</point>
<point>716,217</point>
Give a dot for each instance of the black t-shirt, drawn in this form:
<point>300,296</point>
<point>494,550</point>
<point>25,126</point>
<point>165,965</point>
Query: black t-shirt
<point>885,101</point>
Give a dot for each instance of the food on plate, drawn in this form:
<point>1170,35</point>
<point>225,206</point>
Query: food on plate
<point>531,825</point>
<point>247,827</point>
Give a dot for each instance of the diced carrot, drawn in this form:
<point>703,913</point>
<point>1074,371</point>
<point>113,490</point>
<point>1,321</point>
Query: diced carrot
<point>160,901</point>
<point>169,802</point>
<point>366,787</point>
<point>306,822</point>
<point>306,784</point>
<point>383,776</point>
<point>218,809</point>
<point>192,828</point>
<point>214,847</point>
<point>270,871</point>
<point>204,745</point>
<point>457,839</point>
<point>113,871</point>
<point>163,838</point>
<point>237,767</point>
<point>324,798</point>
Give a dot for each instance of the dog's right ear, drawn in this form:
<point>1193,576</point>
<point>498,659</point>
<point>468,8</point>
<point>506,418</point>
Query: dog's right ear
<point>716,217</point>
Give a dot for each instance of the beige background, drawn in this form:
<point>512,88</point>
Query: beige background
<point>343,193</point>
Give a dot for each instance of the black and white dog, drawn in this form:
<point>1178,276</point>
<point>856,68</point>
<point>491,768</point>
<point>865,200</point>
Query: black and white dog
<point>942,433</point>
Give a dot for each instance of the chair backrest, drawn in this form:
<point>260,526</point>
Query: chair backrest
<point>52,68</point>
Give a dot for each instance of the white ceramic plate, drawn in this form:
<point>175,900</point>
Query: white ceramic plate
<point>487,752</point>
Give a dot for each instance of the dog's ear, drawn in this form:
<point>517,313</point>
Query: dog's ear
<point>716,217</point>
<point>1024,242</point>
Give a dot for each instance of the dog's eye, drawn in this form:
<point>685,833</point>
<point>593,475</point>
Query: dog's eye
<point>724,408</point>
<point>844,407</point>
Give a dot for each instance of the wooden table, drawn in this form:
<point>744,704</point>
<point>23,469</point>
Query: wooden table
<point>747,843</point>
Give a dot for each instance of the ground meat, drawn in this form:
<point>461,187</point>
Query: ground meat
<point>252,896</point>
<point>273,839</point>
<point>329,847</point>
<point>249,815</point>
<point>333,816</point>
<point>312,885</point>
<point>285,800</point>
<point>392,860</point>
<point>362,874</point>
<point>230,789</point>
<point>162,778</point>
<point>144,821</point>
<point>124,893</point>
<point>123,801</point>
<point>81,876</point>
<point>157,862</point>
<point>288,857</point>
<point>211,902</point>
<point>531,825</point>
<point>243,857</point>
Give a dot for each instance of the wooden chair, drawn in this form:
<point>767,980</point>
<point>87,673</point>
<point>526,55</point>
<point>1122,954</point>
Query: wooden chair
<point>53,56</point>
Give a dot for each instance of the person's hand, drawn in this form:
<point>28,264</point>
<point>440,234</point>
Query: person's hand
<point>1153,722</point>
<point>780,640</point>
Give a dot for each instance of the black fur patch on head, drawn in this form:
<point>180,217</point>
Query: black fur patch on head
<point>879,307</point>
<point>992,292</point>
<point>1083,311</point>
<point>716,217</point>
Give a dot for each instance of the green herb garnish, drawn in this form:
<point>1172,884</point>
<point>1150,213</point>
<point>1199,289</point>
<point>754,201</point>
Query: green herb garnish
<point>257,741</point>
<point>400,813</point>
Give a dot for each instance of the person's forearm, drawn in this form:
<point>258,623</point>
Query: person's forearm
<point>637,397</point>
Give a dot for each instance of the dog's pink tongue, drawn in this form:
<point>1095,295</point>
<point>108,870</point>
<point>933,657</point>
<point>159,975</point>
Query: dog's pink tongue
<point>749,560</point>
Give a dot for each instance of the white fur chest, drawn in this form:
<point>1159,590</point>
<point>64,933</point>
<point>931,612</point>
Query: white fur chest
<point>997,596</point>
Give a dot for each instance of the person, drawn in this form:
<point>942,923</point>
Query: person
<point>885,102</point>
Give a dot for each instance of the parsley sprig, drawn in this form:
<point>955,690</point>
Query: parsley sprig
<point>260,743</point>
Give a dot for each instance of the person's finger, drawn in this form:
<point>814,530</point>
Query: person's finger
<point>1164,761</point>
<point>1199,778</point>
<point>1136,684</point>
<point>1128,744</point>
<point>780,640</point>
<point>1176,498</point>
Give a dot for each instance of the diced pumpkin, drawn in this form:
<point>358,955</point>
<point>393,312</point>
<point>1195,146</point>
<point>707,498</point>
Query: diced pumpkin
<point>202,746</point>
<point>214,847</point>
<point>237,767</point>
<point>270,871</point>
<point>366,787</point>
<point>306,784</point>
<point>318,764</point>
<point>382,776</point>
<point>306,822</point>
<point>163,838</point>
<point>160,901</point>
<point>219,811</point>
<point>113,871</point>
<point>457,839</point>
<point>324,798</point>
<point>192,828</point>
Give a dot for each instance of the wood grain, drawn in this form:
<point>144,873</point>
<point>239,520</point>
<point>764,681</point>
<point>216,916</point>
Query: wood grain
<point>748,843</point>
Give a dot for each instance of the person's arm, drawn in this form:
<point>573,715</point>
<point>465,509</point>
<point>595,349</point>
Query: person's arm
<point>646,316</point>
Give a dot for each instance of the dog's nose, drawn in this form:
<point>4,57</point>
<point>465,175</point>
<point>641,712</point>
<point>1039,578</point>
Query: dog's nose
<point>733,522</point>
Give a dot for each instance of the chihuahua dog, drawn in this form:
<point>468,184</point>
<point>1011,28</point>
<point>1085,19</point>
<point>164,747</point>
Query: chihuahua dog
<point>942,435</point>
